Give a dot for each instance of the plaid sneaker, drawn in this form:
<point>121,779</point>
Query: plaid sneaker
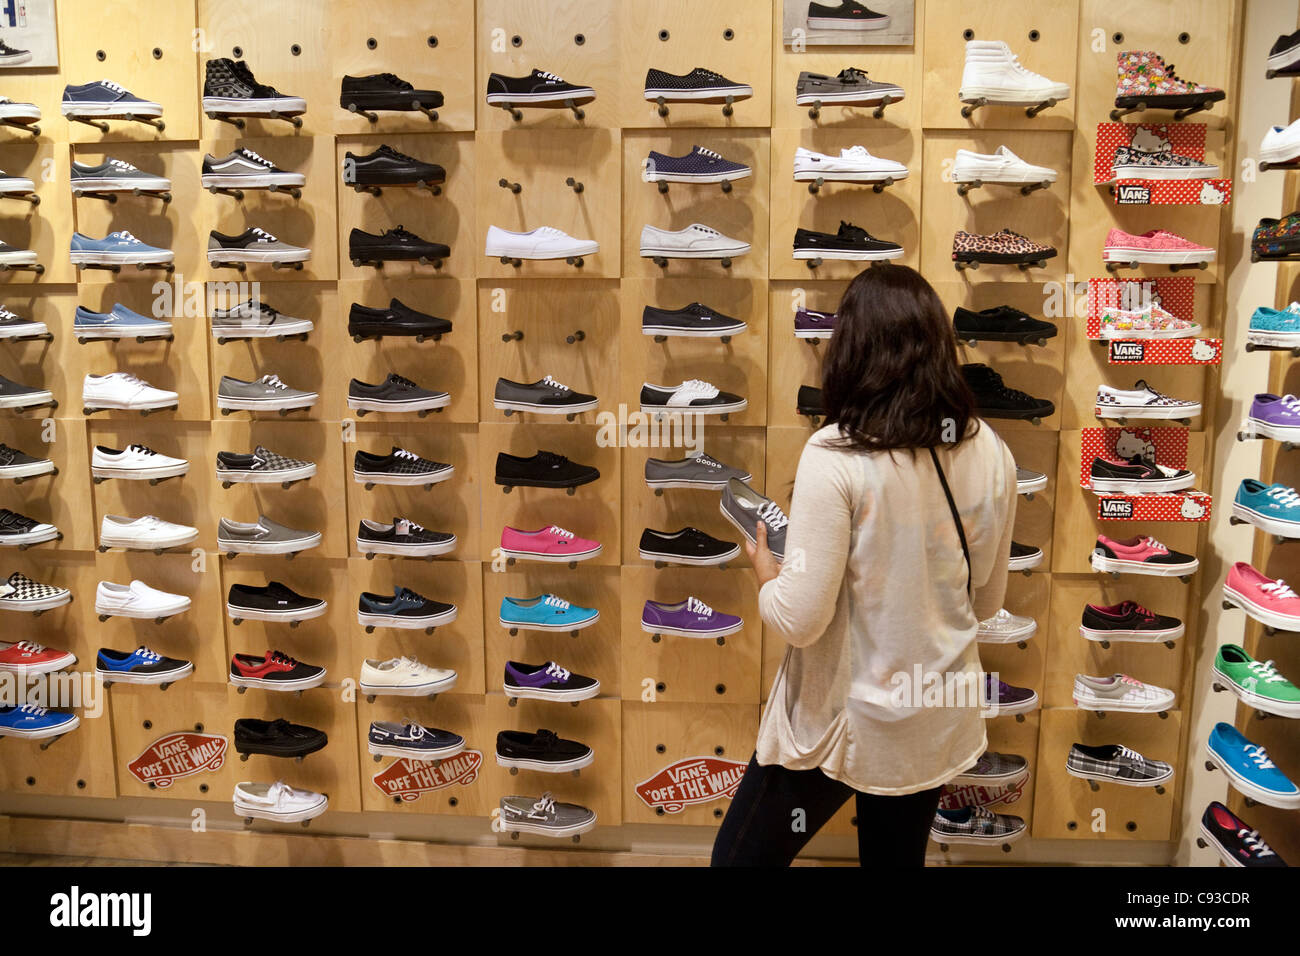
<point>1116,763</point>
<point>975,825</point>
<point>21,593</point>
<point>994,770</point>
<point>398,467</point>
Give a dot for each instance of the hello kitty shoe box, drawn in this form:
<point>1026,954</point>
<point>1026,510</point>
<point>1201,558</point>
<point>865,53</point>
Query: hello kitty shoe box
<point>1183,139</point>
<point>1176,295</point>
<point>1166,446</point>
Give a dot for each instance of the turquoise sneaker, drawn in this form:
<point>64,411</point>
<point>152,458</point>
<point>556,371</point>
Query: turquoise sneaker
<point>1249,769</point>
<point>545,613</point>
<point>1273,508</point>
<point>1276,327</point>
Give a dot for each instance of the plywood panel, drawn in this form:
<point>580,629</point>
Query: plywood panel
<point>793,362</point>
<point>46,228</point>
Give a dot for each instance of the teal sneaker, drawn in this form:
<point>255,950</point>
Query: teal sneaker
<point>1273,508</point>
<point>1256,683</point>
<point>545,613</point>
<point>1275,327</point>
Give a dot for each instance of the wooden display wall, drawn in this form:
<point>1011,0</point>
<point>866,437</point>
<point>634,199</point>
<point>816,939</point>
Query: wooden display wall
<point>660,702</point>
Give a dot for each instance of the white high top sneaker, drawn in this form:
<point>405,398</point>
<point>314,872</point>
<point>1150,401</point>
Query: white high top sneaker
<point>993,73</point>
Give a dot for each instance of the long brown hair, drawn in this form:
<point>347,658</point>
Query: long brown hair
<point>891,378</point>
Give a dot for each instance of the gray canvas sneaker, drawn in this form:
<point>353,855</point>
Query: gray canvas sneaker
<point>116,175</point>
<point>744,507</point>
<point>253,245</point>
<point>267,393</point>
<point>263,536</point>
<point>545,817</point>
<point>994,770</point>
<point>848,86</point>
<point>256,320</point>
<point>695,471</point>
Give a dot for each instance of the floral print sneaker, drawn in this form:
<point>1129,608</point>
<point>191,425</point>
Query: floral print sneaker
<point>1152,323</point>
<point>1001,246</point>
<point>1144,77</point>
<point>1276,238</point>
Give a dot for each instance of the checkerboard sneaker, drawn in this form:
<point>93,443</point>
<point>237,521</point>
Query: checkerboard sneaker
<point>261,466</point>
<point>1249,769</point>
<point>1255,683</point>
<point>230,89</point>
<point>1143,78</point>
<point>975,826</point>
<point>1271,602</point>
<point>993,770</point>
<point>1115,763</point>
<point>1127,621</point>
<point>1237,842</point>
<point>1142,401</point>
<point>21,593</point>
<point>1006,628</point>
<point>1140,554</point>
<point>1120,692</point>
<point>28,657</point>
<point>1153,246</point>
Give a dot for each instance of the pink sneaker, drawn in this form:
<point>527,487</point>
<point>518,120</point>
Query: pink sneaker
<point>548,544</point>
<point>1151,323</point>
<point>1267,601</point>
<point>1158,245</point>
<point>1140,555</point>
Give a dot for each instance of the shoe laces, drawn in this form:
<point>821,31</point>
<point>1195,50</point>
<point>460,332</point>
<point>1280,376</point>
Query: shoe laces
<point>555,670</point>
<point>698,385</point>
<point>116,88</point>
<point>389,151</point>
<point>396,81</point>
<point>124,236</point>
<point>279,657</point>
<point>852,75</point>
<point>403,453</point>
<point>400,232</point>
<point>696,606</point>
<point>1287,497</point>
<point>545,804</point>
<point>1131,754</point>
<point>147,655</point>
<point>1278,589</point>
<point>399,380</point>
<point>1266,672</point>
<point>140,449</point>
<point>773,516</point>
<point>708,74</point>
<point>122,164</point>
<point>547,380</point>
<point>30,647</point>
<point>1254,842</point>
<point>263,236</point>
<point>559,532</point>
<point>983,815</point>
<point>249,154</point>
<point>410,525</point>
<point>1131,681</point>
<point>554,601</point>
<point>549,77</point>
<point>703,229</point>
<point>1291,403</point>
<point>406,594</point>
<point>1260,756</point>
<point>34,709</point>
<point>849,231</point>
<point>5,313</point>
<point>273,381</point>
<point>551,458</point>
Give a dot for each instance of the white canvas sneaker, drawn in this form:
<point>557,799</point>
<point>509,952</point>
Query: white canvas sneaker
<point>146,533</point>
<point>993,73</point>
<point>135,462</point>
<point>404,677</point>
<point>852,165</point>
<point>1142,401</point>
<point>1281,144</point>
<point>1000,166</point>
<point>124,390</point>
<point>278,801</point>
<point>544,242</point>
<point>696,241</point>
<point>137,600</point>
<point>1120,692</point>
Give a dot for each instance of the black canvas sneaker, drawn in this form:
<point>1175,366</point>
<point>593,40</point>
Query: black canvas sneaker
<point>809,401</point>
<point>693,395</point>
<point>393,245</point>
<point>16,395</point>
<point>274,602</point>
<point>547,681</point>
<point>543,470</point>
<point>244,169</point>
<point>849,242</point>
<point>698,85</point>
<point>394,394</point>
<point>1001,323</point>
<point>546,397</point>
<point>1236,841</point>
<point>385,91</point>
<point>1024,556</point>
<point>261,466</point>
<point>387,167</point>
<point>230,89</point>
<point>10,56</point>
<point>543,751</point>
<point>403,538</point>
<point>1284,56</point>
<point>993,399</point>
<point>277,738</point>
<point>15,326</point>
<point>538,88</point>
<point>17,530</point>
<point>1137,476</point>
<point>397,319</point>
<point>690,321</point>
<point>19,465</point>
<point>398,467</point>
<point>687,546</point>
<point>846,15</point>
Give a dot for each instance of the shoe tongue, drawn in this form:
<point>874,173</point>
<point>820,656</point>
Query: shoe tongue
<point>849,231</point>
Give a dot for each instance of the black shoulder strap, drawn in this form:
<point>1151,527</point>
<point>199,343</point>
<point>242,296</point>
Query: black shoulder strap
<point>956,518</point>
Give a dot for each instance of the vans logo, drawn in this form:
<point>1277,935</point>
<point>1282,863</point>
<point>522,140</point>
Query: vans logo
<point>1116,508</point>
<point>178,755</point>
<point>1133,195</point>
<point>406,778</point>
<point>690,781</point>
<point>1127,351</point>
<point>76,909</point>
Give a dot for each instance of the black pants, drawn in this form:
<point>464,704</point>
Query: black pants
<point>764,826</point>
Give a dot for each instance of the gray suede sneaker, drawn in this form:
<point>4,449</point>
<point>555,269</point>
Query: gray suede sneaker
<point>545,817</point>
<point>744,507</point>
<point>256,320</point>
<point>263,537</point>
<point>695,471</point>
<point>267,393</point>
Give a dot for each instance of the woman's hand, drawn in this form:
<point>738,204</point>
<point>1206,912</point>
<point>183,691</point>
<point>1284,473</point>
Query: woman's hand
<point>766,567</point>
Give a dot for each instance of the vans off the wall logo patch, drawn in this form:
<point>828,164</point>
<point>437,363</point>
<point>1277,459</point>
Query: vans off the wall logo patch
<point>691,781</point>
<point>975,795</point>
<point>406,779</point>
<point>178,755</point>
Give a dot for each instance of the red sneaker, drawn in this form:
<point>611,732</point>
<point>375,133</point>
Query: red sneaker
<point>275,671</point>
<point>28,657</point>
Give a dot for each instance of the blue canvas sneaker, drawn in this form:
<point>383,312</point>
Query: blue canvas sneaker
<point>1274,508</point>
<point>700,165</point>
<point>1249,768</point>
<point>33,723</point>
<point>120,323</point>
<point>117,248</point>
<point>1279,327</point>
<point>545,613</point>
<point>105,98</point>
<point>140,666</point>
<point>408,739</point>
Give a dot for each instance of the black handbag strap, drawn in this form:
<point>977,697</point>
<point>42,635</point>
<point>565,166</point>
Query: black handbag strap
<point>956,518</point>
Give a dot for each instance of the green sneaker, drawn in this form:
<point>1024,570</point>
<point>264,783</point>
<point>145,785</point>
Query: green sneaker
<point>1256,683</point>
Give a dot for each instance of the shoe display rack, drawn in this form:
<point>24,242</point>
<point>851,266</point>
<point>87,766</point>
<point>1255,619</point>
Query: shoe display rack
<point>675,719</point>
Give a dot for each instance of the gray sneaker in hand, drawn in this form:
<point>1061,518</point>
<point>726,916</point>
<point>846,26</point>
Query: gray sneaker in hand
<point>267,393</point>
<point>545,817</point>
<point>263,536</point>
<point>745,508</point>
<point>696,471</point>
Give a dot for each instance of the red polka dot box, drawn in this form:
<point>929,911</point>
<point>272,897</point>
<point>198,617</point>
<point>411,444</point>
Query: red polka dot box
<point>1176,295</point>
<point>1182,139</point>
<point>1168,446</point>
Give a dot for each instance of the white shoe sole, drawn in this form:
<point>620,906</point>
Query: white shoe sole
<point>24,330</point>
<point>414,623</point>
<point>263,405</point>
<point>1285,340</point>
<point>1283,529</point>
<point>92,402</point>
<point>18,257</point>
<point>851,97</point>
<point>1008,637</point>
<point>738,92</point>
<point>143,614</point>
<point>87,257</point>
<point>1132,637</point>
<point>30,537</point>
<point>1267,430</point>
<point>145,544</point>
<point>583,94</point>
<point>1252,699</point>
<point>305,683</point>
<point>552,558</point>
<point>146,108</point>
<point>44,732</point>
<point>852,256</point>
<point>682,632</point>
<point>666,252</point>
<point>1122,566</point>
<point>1165,173</point>
<point>281,816</point>
<point>409,405</point>
<point>1031,486</point>
<point>533,693</point>
<point>409,690</point>
<point>1106,335</point>
<point>547,766</point>
<point>110,184</point>
<point>1161,412</point>
<point>544,409</point>
<point>1121,781</point>
<point>16,186</point>
<point>257,614</point>
<point>1007,96</point>
<point>1025,563</point>
<point>252,180</point>
<point>19,114</point>
<point>297,327</point>
<point>966,840</point>
<point>697,178</point>
<point>67,660</point>
<point>1133,486</point>
<point>809,174</point>
<point>383,478</point>
<point>286,105</point>
<point>692,562</point>
<point>549,628</point>
<point>414,753</point>
<point>1282,801</point>
<point>1120,706</point>
<point>709,333</point>
<point>127,677</point>
<point>498,250</point>
<point>576,829</point>
<point>405,550</point>
<point>293,254</point>
<point>1259,612</point>
<point>269,547</point>
<point>37,604</point>
<point>42,467</point>
<point>837,23</point>
<point>139,474</point>
<point>1282,153</point>
<point>1157,256</point>
<point>238,476</point>
<point>729,409</point>
<point>969,172</point>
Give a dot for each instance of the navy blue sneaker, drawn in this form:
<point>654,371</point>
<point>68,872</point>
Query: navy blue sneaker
<point>105,98</point>
<point>33,723</point>
<point>140,666</point>
<point>403,608</point>
<point>700,165</point>
<point>396,739</point>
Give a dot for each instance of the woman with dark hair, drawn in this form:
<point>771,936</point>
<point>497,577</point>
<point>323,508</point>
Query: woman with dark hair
<point>896,549</point>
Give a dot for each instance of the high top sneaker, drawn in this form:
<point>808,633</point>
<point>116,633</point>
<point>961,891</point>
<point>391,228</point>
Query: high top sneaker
<point>229,88</point>
<point>994,73</point>
<point>1144,77</point>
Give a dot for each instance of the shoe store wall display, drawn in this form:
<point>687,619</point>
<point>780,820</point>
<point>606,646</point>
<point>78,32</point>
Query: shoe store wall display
<point>385,413</point>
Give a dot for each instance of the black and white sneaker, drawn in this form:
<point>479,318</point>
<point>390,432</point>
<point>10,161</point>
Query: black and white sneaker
<point>261,467</point>
<point>21,593</point>
<point>545,397</point>
<point>1284,55</point>
<point>274,602</point>
<point>1115,763</point>
<point>20,531</point>
<point>397,319</point>
<point>15,326</point>
<point>385,91</point>
<point>9,56</point>
<point>398,467</point>
<point>394,394</point>
<point>846,15</point>
<point>253,245</point>
<point>403,608</point>
<point>230,89</point>
<point>849,242</point>
<point>690,321</point>
<point>692,395</point>
<point>245,169</point>
<point>687,546</point>
<point>538,88</point>
<point>1137,476</point>
<point>394,245</point>
<point>699,85</point>
<point>543,751</point>
<point>548,681</point>
<point>385,166</point>
<point>18,465</point>
<point>403,538</point>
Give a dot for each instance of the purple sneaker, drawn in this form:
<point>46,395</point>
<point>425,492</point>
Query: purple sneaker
<point>548,681</point>
<point>811,324</point>
<point>1009,700</point>
<point>689,618</point>
<point>1274,416</point>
